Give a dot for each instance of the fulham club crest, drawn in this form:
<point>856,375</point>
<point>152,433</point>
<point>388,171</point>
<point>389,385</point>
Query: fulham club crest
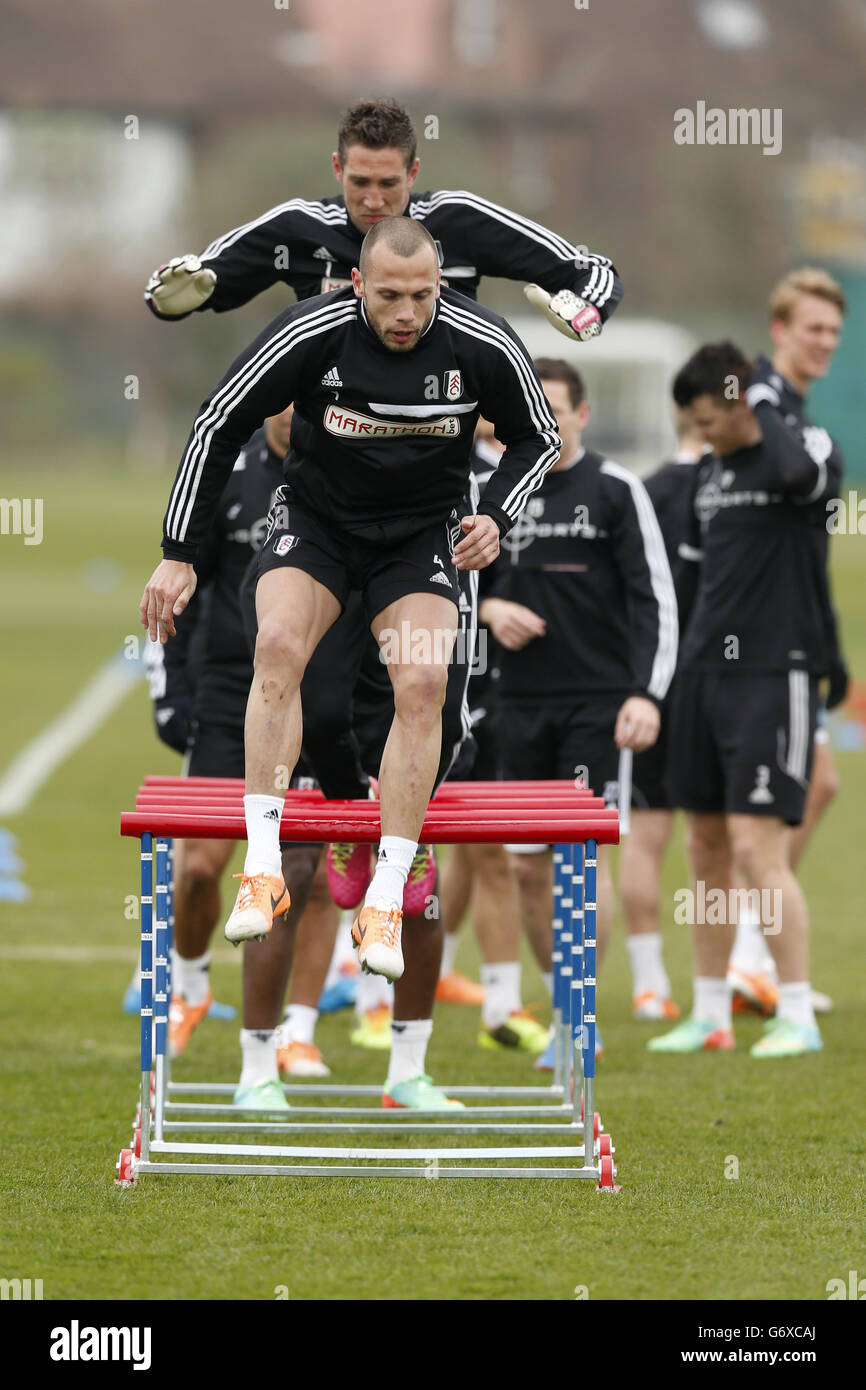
<point>453,386</point>
<point>284,544</point>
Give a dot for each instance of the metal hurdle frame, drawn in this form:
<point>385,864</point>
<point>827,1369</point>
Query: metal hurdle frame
<point>565,1108</point>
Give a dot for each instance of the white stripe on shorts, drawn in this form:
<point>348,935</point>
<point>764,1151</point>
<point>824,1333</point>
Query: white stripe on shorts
<point>798,725</point>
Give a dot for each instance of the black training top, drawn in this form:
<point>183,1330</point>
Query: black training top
<point>587,556</point>
<point>312,245</point>
<point>381,441</point>
<point>759,515</point>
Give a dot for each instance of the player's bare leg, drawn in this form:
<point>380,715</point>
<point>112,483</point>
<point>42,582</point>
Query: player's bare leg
<point>480,877</point>
<point>412,752</point>
<point>297,1053</point>
<point>761,853</point>
<point>641,858</point>
<point>497,920</point>
<point>456,882</point>
<point>267,964</point>
<point>495,904</point>
<point>198,868</point>
<point>294,612</point>
<point>415,991</point>
<point>752,969</point>
<point>406,775</point>
<point>455,878</point>
<point>416,633</point>
<point>760,849</point>
<point>823,788</point>
<point>534,874</point>
<point>709,1026</point>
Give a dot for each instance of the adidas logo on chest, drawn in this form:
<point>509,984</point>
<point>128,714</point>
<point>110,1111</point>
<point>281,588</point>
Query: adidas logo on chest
<point>332,377</point>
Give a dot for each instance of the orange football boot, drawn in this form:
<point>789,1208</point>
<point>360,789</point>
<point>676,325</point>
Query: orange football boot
<point>455,988</point>
<point>376,932</point>
<point>183,1019</point>
<point>261,898</point>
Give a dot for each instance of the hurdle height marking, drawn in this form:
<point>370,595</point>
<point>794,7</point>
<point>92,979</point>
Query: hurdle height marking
<point>146,986</point>
<point>160,1016</point>
<point>575,1038</point>
<point>587,1032</point>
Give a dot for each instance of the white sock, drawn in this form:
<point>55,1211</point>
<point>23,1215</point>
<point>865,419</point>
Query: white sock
<point>501,983</point>
<point>795,1004</point>
<point>373,992</point>
<point>344,947</point>
<point>263,815</point>
<point>449,952</point>
<point>749,947</point>
<point>392,870</point>
<point>768,965</point>
<point>189,978</point>
<point>259,1053</point>
<point>547,977</point>
<point>647,966</point>
<point>408,1049</point>
<point>299,1023</point>
<point>333,974</point>
<point>344,950</point>
<point>712,1002</point>
<point>135,982</point>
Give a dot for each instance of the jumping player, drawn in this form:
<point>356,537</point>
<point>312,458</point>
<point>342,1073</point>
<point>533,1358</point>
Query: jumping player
<point>369,503</point>
<point>312,246</point>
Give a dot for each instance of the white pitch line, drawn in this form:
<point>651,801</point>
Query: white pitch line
<point>38,759</point>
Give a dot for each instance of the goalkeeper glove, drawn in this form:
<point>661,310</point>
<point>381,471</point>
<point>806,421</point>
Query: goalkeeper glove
<point>837,684</point>
<point>172,720</point>
<point>567,312</point>
<point>180,286</point>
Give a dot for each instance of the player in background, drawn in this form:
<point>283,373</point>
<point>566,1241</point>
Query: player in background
<point>479,877</point>
<point>642,851</point>
<point>583,605</point>
<point>210,656</point>
<point>312,246</point>
<point>369,503</point>
<point>745,701</point>
<point>806,314</point>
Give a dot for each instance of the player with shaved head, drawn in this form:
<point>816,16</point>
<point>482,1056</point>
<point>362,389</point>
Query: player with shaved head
<point>372,502</point>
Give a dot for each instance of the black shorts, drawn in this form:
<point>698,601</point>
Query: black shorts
<point>562,739</point>
<point>743,743</point>
<point>422,563</point>
<point>374,698</point>
<point>216,749</point>
<point>478,760</point>
<point>649,770</point>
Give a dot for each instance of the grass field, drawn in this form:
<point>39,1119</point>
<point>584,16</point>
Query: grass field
<point>680,1229</point>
